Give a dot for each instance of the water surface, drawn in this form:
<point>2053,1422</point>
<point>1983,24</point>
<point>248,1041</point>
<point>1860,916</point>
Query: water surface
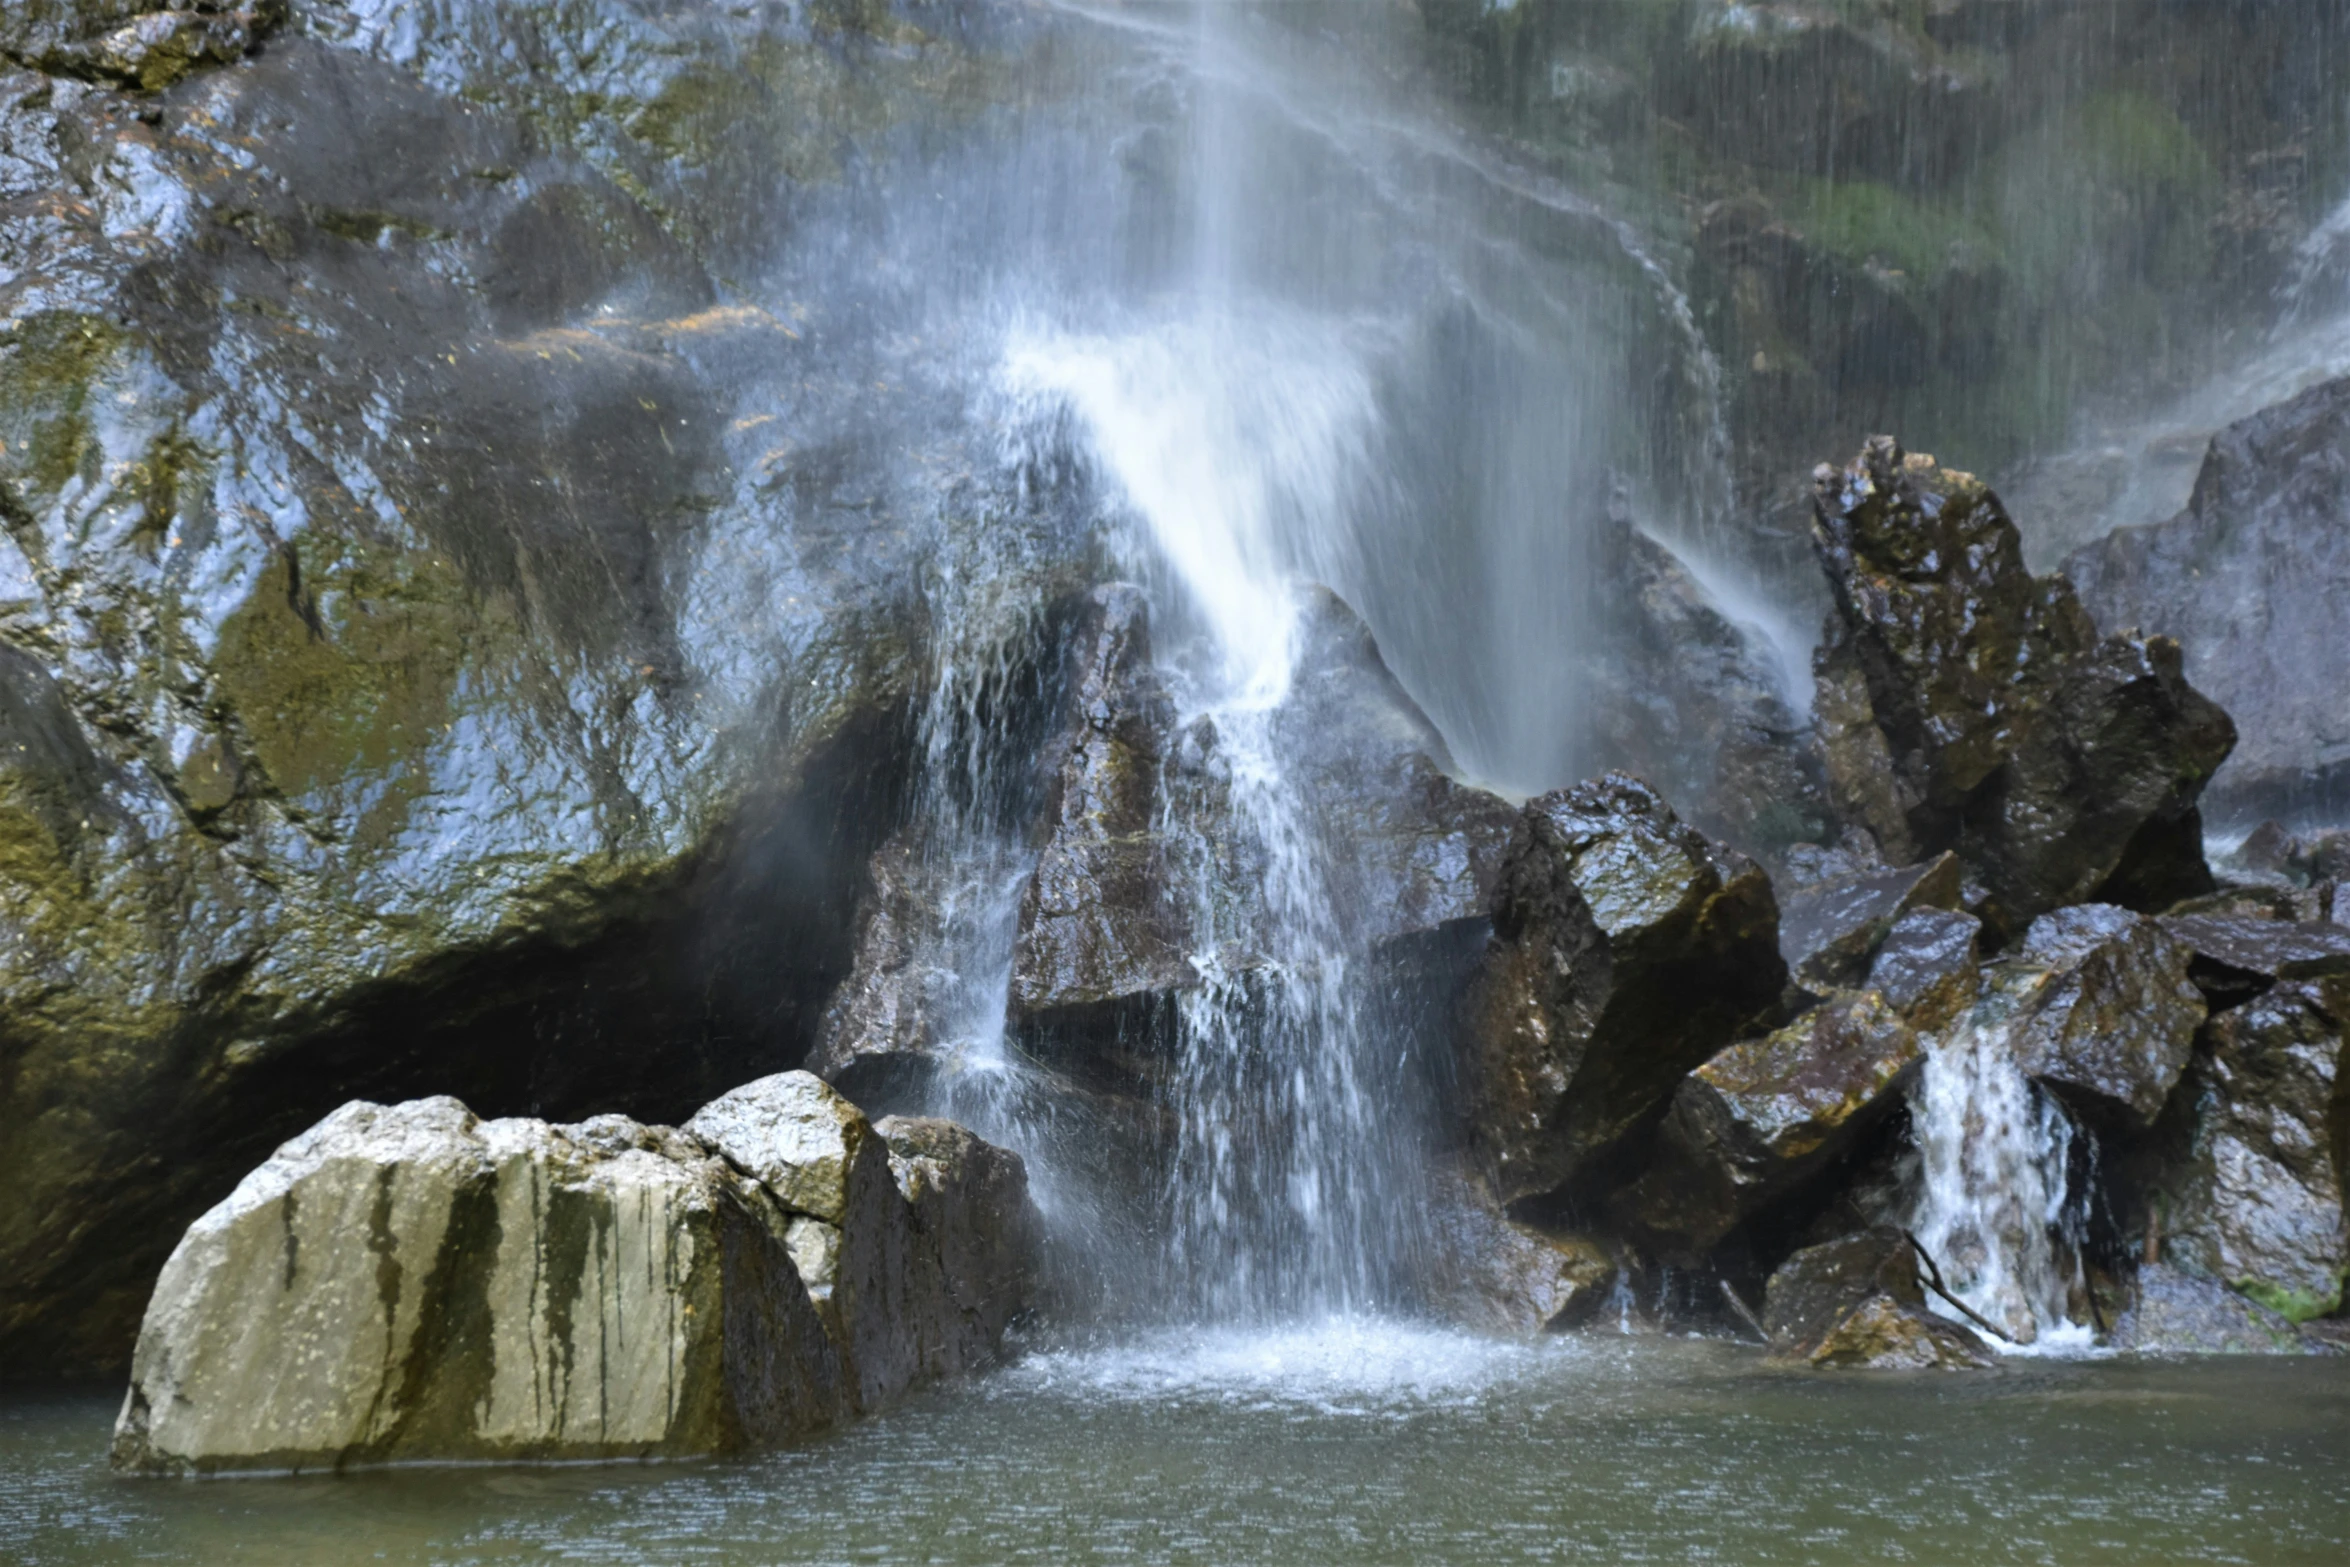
<point>1355,1442</point>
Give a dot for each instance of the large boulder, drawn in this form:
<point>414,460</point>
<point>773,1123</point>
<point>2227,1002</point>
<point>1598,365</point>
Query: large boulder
<point>1768,1116</point>
<point>970,1205</point>
<point>2251,579</point>
<point>1966,705</point>
<point>1829,929</point>
<point>1626,950</point>
<point>1928,968</point>
<point>1857,1303</point>
<point>2095,1002</point>
<point>2238,955</point>
<point>2258,1201</point>
<point>408,1282</point>
<point>2171,1312</point>
<point>449,640</point>
<point>1494,1274</point>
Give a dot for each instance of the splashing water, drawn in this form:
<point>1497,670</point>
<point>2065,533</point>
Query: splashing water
<point>1993,1207</point>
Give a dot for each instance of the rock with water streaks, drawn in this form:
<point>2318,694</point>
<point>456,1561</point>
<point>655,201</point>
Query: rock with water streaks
<point>410,1283</point>
<point>1767,1117</point>
<point>2098,1005</point>
<point>1496,1275</point>
<point>1626,950</point>
<point>2258,1201</point>
<point>1857,1302</point>
<point>1966,705</point>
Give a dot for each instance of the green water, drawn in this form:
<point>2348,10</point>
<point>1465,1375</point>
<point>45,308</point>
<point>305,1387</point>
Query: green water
<point>1350,1443</point>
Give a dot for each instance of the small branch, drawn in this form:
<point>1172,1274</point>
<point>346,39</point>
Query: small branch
<point>1933,1281</point>
<point>1745,1313</point>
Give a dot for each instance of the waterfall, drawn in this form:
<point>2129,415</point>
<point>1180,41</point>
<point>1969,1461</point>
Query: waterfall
<point>1993,1207</point>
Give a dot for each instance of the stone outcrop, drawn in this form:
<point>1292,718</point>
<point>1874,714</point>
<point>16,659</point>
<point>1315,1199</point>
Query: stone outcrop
<point>1857,1303</point>
<point>1494,1274</point>
<point>2240,955</point>
<point>410,1283</point>
<point>2098,1006</point>
<point>2257,1203</point>
<point>2176,1313</point>
<point>144,45</point>
<point>1928,967</point>
<point>1626,950</point>
<point>2250,579</point>
<point>1966,705</point>
<point>1829,929</point>
<point>1767,1117</point>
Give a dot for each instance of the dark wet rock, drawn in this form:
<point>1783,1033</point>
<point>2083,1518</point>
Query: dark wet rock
<point>1495,1275</point>
<point>2239,955</point>
<point>1680,694</point>
<point>2176,1313</point>
<point>2258,1201</point>
<point>2250,579</point>
<point>1829,929</point>
<point>1966,705</point>
<point>2098,1005</point>
<point>1857,1302</point>
<point>447,642</point>
<point>1928,967</point>
<point>1767,1117</point>
<point>971,1207</point>
<point>878,1036</point>
<point>409,1283</point>
<point>142,44</point>
<point>1626,951</point>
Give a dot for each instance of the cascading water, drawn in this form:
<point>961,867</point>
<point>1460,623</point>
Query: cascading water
<point>1994,1209</point>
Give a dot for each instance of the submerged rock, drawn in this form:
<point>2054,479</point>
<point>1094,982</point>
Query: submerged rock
<point>2251,579</point>
<point>1966,705</point>
<point>410,1283</point>
<point>1496,1275</point>
<point>2175,1313</point>
<point>2101,1009</point>
<point>1766,1117</point>
<point>1626,950</point>
<point>2258,1204</point>
<point>1857,1303</point>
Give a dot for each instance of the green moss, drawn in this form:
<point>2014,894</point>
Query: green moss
<point>49,370</point>
<point>345,660</point>
<point>1865,223</point>
<point>2291,1304</point>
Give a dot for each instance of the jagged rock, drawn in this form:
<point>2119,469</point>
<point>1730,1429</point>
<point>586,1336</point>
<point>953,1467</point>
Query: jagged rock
<point>1966,705</point>
<point>409,1283</point>
<point>2098,1005</point>
<point>1829,929</point>
<point>1495,1275</point>
<point>2175,1313</point>
<point>1678,693</point>
<point>145,47</point>
<point>2238,955</point>
<point>2251,579</point>
<point>1766,1117</point>
<point>970,1204</point>
<point>1626,950</point>
<point>2258,1204</point>
<point>1857,1302</point>
<point>1928,967</point>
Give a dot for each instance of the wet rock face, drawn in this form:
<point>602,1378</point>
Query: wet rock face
<point>140,44</point>
<point>1765,1117</point>
<point>1966,705</point>
<point>410,1283</point>
<point>1626,950</point>
<point>2250,580</point>
<point>2238,955</point>
<point>2102,1009</point>
<point>1494,1275</point>
<point>422,655</point>
<point>407,1282</point>
<point>1830,929</point>
<point>2176,1313</point>
<point>1928,967</point>
<point>2258,1204</point>
<point>1857,1303</point>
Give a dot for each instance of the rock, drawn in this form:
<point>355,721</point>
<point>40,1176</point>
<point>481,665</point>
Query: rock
<point>1626,950</point>
<point>1928,967</point>
<point>408,1283</point>
<point>2099,1007</point>
<point>1857,1302</point>
<point>1966,705</point>
<point>971,1207</point>
<point>2175,1313</point>
<point>1829,929</point>
<point>1766,1117</point>
<point>2237,955</point>
<point>2250,580</point>
<point>2258,1204</point>
<point>1494,1275</point>
<point>1679,693</point>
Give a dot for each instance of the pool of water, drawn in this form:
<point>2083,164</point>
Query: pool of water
<point>1345,1442</point>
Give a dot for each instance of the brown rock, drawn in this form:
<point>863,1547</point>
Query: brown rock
<point>1857,1302</point>
<point>1928,968</point>
<point>2102,1008</point>
<point>1829,929</point>
<point>1498,1276</point>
